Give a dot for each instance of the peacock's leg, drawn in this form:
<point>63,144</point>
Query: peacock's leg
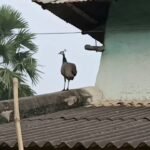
<point>64,84</point>
<point>68,85</point>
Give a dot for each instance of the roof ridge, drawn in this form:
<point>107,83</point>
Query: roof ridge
<point>131,103</point>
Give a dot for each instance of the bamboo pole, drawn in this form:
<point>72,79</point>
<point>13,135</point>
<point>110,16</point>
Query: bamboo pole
<point>17,114</point>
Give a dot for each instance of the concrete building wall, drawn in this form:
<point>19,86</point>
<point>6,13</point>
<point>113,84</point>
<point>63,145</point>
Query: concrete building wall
<point>124,72</point>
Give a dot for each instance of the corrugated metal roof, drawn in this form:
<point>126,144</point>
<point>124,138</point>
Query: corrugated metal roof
<point>58,1</point>
<point>87,15</point>
<point>86,127</point>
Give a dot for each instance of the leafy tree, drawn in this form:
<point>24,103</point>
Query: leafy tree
<point>16,54</point>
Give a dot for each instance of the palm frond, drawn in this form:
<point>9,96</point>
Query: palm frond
<point>16,53</point>
<point>10,19</point>
<point>25,90</point>
<point>24,39</point>
<point>6,77</point>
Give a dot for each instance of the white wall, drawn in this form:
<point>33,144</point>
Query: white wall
<point>124,72</point>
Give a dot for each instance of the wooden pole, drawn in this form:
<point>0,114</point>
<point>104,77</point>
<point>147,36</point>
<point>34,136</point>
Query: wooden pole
<point>17,114</point>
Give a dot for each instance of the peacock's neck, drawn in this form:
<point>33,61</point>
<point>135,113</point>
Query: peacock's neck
<point>64,58</point>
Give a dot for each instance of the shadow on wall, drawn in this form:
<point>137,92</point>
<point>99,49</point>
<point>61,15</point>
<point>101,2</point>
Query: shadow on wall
<point>49,103</point>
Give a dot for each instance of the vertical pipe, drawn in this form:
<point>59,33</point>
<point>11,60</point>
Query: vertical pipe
<point>17,114</point>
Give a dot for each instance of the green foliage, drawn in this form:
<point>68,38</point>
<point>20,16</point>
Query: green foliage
<point>16,54</point>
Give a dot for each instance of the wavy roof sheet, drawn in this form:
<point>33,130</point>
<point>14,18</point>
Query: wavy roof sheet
<point>102,127</point>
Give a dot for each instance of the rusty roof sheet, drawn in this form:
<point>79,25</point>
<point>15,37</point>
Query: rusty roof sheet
<point>87,127</point>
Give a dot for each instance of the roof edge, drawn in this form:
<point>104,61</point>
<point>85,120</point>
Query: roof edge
<point>49,103</point>
<point>66,1</point>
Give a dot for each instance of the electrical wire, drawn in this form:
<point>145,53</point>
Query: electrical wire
<point>50,33</point>
<point>60,33</point>
<point>113,28</point>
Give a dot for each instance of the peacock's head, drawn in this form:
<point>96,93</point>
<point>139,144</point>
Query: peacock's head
<point>62,52</point>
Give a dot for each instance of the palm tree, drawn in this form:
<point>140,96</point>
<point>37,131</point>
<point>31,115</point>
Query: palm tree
<point>16,54</point>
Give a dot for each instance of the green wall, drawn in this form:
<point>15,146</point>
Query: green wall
<point>124,72</point>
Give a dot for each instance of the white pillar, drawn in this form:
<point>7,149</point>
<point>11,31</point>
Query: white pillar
<point>124,72</point>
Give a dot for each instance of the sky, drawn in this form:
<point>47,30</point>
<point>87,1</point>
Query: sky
<point>43,21</point>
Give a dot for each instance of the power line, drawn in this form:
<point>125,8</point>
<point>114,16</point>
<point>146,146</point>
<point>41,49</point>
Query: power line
<point>77,32</point>
<point>47,33</point>
<point>113,28</point>
<point>59,33</point>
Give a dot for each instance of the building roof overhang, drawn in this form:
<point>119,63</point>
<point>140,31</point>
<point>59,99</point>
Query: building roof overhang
<point>89,16</point>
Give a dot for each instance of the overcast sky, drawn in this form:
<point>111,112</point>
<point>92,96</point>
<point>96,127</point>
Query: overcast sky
<point>49,45</point>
